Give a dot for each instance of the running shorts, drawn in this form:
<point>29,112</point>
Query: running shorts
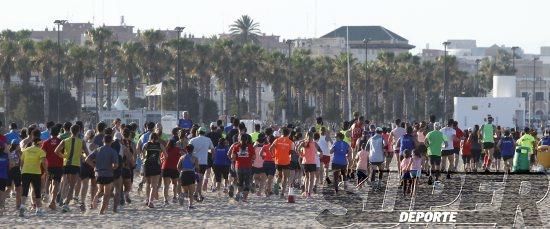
<point>187,178</point>
<point>105,180</point>
<point>447,152</point>
<point>310,167</point>
<point>3,184</point>
<point>14,177</point>
<point>435,160</point>
<point>221,171</point>
<point>269,168</point>
<point>71,169</point>
<point>150,170</point>
<point>488,145</point>
<point>170,173</point>
<point>86,171</point>
<point>55,173</point>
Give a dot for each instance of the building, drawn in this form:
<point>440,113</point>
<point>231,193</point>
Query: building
<point>379,39</point>
<point>71,33</point>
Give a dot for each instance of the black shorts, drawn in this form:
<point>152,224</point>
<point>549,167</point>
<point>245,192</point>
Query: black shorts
<point>456,150</point>
<point>71,169</point>
<point>170,173</point>
<point>127,174</point>
<point>488,145</point>
<point>257,170</point>
<point>86,172</point>
<point>376,163</point>
<point>507,157</point>
<point>150,170</point>
<point>282,167</point>
<point>447,152</point>
<point>496,154</point>
<point>221,171</point>
<point>244,178</point>
<point>55,174</point>
<point>14,176</point>
<point>269,168</point>
<point>310,167</point>
<point>294,165</point>
<point>466,159</point>
<point>31,179</point>
<point>104,180</point>
<point>339,167</point>
<point>117,173</point>
<point>476,154</point>
<point>435,160</point>
<point>203,168</point>
<point>3,184</point>
<point>187,178</point>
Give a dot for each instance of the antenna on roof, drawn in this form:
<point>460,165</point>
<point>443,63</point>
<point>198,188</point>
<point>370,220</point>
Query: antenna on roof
<point>122,20</point>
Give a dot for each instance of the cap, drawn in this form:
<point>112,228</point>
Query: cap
<point>213,124</point>
<point>379,129</point>
<point>118,136</point>
<point>437,125</point>
<point>202,129</point>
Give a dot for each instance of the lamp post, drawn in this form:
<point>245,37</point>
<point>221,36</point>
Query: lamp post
<point>366,42</point>
<point>514,58</point>
<point>445,44</point>
<point>178,78</point>
<point>476,84</point>
<point>534,94</point>
<point>59,23</point>
<point>288,92</point>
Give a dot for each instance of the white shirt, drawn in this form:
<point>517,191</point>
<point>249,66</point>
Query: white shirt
<point>397,133</point>
<point>201,146</point>
<point>323,144</point>
<point>448,134</point>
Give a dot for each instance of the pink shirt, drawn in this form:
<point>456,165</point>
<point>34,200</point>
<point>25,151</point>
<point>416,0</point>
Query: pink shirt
<point>421,136</point>
<point>309,152</point>
<point>258,161</point>
<point>404,163</point>
<point>363,157</point>
<point>416,163</point>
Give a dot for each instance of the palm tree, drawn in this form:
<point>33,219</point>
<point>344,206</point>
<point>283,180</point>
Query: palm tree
<point>275,75</point>
<point>251,64</point>
<point>154,60</point>
<point>201,71</point>
<point>245,30</point>
<point>8,55</point>
<point>132,54</point>
<point>44,64</point>
<point>386,70</point>
<point>224,56</point>
<point>323,68</point>
<point>302,71</point>
<point>111,62</point>
<point>79,59</point>
<point>100,38</point>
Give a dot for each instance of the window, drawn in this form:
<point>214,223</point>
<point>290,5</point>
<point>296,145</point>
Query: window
<point>525,95</point>
<point>474,108</point>
<point>539,96</point>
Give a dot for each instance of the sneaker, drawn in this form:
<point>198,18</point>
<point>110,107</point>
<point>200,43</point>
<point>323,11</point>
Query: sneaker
<point>238,197</point>
<point>39,212</point>
<point>448,176</point>
<point>430,180</point>
<point>191,207</point>
<point>165,202</point>
<point>65,208</point>
<point>82,207</point>
<point>328,181</point>
<point>181,200</point>
<point>21,212</point>
<point>174,200</point>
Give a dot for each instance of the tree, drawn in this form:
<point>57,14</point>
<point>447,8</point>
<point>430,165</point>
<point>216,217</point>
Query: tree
<point>100,38</point>
<point>154,60</point>
<point>8,54</point>
<point>245,30</point>
<point>80,61</point>
<point>44,64</point>
<point>132,54</point>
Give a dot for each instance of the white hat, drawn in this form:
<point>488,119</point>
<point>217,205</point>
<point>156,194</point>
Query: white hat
<point>213,124</point>
<point>437,125</point>
<point>118,136</point>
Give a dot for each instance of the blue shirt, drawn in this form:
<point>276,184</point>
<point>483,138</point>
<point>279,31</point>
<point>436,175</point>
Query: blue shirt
<point>406,143</point>
<point>341,149</point>
<point>185,123</point>
<point>144,139</point>
<point>227,129</point>
<point>45,135</point>
<point>507,147</point>
<point>220,157</point>
<point>545,140</point>
<point>13,135</point>
<point>4,165</point>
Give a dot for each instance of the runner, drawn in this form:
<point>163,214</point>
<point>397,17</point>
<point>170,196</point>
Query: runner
<point>388,151</point>
<point>66,130</point>
<point>447,154</point>
<point>356,131</point>
<point>72,149</point>
<point>269,164</point>
<point>4,172</point>
<point>170,171</point>
<point>222,164</point>
<point>14,175</point>
<point>214,136</point>
<point>395,135</point>
<point>487,134</point>
<point>121,152</point>
<point>104,160</point>
<point>475,147</point>
<point>243,154</point>
<point>33,160</point>
<point>466,152</point>
<point>45,135</point>
<point>258,165</point>
<point>128,164</point>
<point>144,138</point>
<point>185,122</point>
<point>55,164</point>
<point>406,164</point>
<point>87,174</point>
<point>280,148</point>
<point>151,167</point>
<point>376,145</point>
<point>456,144</point>
<point>254,135</point>
<point>201,146</point>
<point>13,134</point>
<point>362,160</point>
<point>308,153</point>
<point>497,155</point>
<point>507,147</point>
<point>406,142</point>
<point>188,166</point>
<point>341,152</point>
<point>295,169</point>
<point>434,141</point>
<point>528,141</point>
<point>324,143</point>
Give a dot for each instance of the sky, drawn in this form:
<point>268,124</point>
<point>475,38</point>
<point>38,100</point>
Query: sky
<point>503,22</point>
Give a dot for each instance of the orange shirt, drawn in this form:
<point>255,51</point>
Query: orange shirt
<point>282,147</point>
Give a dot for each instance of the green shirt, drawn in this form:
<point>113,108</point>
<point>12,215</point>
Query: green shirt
<point>527,141</point>
<point>435,140</point>
<point>347,138</point>
<point>254,136</point>
<point>64,136</point>
<point>488,131</point>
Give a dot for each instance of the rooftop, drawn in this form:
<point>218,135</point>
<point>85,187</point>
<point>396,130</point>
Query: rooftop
<point>358,33</point>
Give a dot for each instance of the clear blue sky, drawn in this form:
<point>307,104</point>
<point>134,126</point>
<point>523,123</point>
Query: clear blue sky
<point>510,22</point>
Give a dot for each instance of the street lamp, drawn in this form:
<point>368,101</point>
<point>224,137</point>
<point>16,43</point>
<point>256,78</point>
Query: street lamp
<point>366,42</point>
<point>476,84</point>
<point>288,93</point>
<point>534,96</point>
<point>59,23</point>
<point>178,77</point>
<point>514,58</point>
<point>445,44</point>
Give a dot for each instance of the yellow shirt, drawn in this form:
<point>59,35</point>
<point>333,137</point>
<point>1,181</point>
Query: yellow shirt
<point>75,160</point>
<point>32,158</point>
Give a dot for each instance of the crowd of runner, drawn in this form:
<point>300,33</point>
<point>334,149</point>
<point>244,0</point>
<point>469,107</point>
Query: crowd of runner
<point>66,166</point>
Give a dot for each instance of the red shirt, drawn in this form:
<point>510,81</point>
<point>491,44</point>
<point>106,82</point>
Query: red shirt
<point>54,161</point>
<point>459,135</point>
<point>466,148</point>
<point>244,158</point>
<point>4,140</point>
<point>268,156</point>
<point>171,162</point>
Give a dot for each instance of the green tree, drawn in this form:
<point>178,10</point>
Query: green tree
<point>245,30</point>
